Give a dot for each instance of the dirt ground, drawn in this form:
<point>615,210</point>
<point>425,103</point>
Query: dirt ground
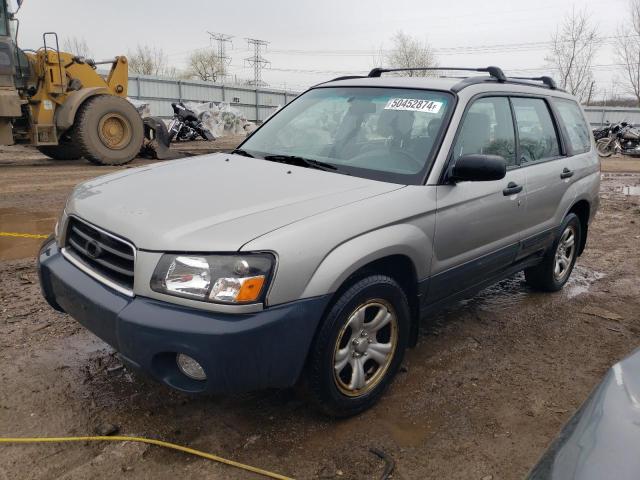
<point>489,385</point>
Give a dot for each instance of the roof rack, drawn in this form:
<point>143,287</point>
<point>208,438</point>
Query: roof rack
<point>548,81</point>
<point>495,72</point>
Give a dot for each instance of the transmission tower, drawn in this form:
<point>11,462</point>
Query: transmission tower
<point>257,60</point>
<point>221,40</point>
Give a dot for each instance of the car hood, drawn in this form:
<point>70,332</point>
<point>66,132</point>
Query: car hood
<point>601,439</point>
<point>213,202</point>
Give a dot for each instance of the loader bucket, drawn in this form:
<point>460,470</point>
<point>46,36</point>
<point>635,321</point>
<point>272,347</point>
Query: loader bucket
<point>156,140</point>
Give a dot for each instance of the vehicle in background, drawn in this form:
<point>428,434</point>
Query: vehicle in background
<point>185,125</point>
<point>618,138</point>
<point>311,252</point>
<point>601,439</point>
<point>57,101</point>
<point>602,132</point>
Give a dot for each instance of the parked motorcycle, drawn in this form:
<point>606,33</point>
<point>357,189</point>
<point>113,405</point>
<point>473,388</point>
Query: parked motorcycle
<point>602,132</point>
<point>621,138</point>
<point>186,126</point>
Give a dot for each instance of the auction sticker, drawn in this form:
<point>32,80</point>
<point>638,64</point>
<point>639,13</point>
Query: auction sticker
<point>413,105</point>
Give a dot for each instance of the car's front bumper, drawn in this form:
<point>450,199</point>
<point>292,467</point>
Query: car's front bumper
<point>238,352</point>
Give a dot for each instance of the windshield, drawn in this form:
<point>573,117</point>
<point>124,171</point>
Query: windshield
<point>380,133</point>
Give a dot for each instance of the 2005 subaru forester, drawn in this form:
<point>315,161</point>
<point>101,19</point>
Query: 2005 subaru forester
<point>314,249</point>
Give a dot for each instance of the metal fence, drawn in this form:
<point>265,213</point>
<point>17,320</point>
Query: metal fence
<point>256,104</point>
<point>597,116</point>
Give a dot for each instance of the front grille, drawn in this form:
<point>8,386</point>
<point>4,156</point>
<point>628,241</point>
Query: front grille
<point>103,253</point>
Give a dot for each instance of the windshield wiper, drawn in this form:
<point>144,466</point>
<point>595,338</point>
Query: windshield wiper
<point>239,151</point>
<point>301,162</point>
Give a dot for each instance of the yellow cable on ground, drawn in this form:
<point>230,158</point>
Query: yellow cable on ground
<point>160,443</point>
<point>22,235</point>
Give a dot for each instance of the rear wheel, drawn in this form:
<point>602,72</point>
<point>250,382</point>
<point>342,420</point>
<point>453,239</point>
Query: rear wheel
<point>108,130</point>
<point>359,347</point>
<point>555,269</point>
<point>63,151</point>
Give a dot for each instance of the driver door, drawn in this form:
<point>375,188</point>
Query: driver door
<point>478,224</point>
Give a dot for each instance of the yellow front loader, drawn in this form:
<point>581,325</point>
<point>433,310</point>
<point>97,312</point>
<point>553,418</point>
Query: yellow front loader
<point>59,103</point>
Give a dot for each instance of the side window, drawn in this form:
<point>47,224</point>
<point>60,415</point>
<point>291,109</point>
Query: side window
<point>488,128</point>
<point>536,132</point>
<point>575,125</point>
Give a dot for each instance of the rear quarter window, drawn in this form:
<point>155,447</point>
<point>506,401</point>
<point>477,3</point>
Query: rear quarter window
<point>574,124</point>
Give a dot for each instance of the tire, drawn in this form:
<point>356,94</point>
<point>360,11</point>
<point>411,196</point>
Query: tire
<point>333,380</point>
<point>63,151</point>
<point>108,130</point>
<point>544,277</point>
<point>604,148</point>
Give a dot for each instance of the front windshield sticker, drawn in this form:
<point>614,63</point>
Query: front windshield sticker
<point>414,105</point>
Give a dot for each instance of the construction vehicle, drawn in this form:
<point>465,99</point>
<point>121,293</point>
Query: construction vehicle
<point>59,103</point>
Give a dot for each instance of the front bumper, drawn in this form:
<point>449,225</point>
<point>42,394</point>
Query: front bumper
<point>239,352</point>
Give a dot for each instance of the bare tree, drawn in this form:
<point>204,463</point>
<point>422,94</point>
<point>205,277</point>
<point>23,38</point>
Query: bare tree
<point>77,46</point>
<point>573,48</point>
<point>206,64</point>
<point>410,52</point>
<point>628,50</point>
<point>146,60</point>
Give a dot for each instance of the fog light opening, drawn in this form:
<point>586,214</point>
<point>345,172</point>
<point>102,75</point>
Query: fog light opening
<point>190,367</point>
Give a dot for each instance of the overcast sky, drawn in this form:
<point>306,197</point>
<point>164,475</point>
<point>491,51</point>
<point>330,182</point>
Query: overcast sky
<point>315,41</point>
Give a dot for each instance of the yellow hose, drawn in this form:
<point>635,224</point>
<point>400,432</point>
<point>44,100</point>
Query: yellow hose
<point>160,443</point>
<point>22,235</point>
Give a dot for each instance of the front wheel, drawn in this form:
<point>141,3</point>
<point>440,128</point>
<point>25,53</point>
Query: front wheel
<point>605,147</point>
<point>359,347</point>
<point>108,130</point>
<point>555,269</point>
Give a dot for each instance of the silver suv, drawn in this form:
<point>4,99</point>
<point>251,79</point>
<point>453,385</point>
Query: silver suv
<point>312,252</point>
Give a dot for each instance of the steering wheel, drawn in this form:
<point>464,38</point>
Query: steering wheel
<point>408,158</point>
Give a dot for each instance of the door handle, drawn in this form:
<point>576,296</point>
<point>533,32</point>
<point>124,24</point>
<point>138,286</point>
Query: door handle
<point>566,173</point>
<point>512,188</point>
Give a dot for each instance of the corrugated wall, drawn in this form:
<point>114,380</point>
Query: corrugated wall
<point>255,104</point>
<point>599,115</point>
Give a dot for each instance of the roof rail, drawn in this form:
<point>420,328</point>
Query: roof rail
<point>548,81</point>
<point>495,72</point>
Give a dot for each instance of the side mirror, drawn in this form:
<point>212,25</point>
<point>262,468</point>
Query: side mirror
<point>476,167</point>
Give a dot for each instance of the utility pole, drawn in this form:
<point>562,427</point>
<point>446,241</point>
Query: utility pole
<point>257,60</point>
<point>590,92</point>
<point>221,40</point>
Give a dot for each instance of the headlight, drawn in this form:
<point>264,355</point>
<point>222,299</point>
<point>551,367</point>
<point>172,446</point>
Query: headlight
<point>214,278</point>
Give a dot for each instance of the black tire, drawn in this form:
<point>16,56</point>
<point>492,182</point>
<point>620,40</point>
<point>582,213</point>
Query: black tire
<point>87,134</point>
<point>543,276</point>
<point>323,384</point>
<point>63,151</point>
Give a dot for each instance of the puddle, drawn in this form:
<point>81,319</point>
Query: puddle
<point>581,281</point>
<point>631,190</point>
<point>503,294</point>
<point>16,220</point>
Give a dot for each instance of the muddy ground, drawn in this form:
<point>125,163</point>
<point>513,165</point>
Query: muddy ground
<point>490,383</point>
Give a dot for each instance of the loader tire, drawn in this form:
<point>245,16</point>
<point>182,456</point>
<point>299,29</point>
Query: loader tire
<point>64,151</point>
<point>108,130</point>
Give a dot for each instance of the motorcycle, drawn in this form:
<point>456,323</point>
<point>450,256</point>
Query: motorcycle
<point>186,126</point>
<point>621,138</point>
<point>602,132</point>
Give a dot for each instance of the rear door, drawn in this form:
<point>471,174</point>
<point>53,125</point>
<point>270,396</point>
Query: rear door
<point>544,165</point>
<point>478,224</point>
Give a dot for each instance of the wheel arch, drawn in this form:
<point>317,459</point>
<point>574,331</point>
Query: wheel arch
<point>66,113</point>
<point>402,252</point>
<point>582,209</point>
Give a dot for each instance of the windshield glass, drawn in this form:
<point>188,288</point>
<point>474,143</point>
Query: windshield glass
<point>380,133</point>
